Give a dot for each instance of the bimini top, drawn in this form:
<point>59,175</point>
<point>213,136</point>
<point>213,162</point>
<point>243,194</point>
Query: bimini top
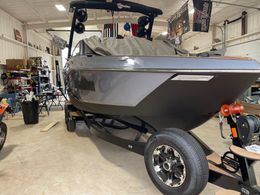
<point>115,5</point>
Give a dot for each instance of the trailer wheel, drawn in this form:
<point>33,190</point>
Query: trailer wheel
<point>176,163</point>
<point>66,113</point>
<point>71,125</point>
<point>68,107</point>
<point>3,134</point>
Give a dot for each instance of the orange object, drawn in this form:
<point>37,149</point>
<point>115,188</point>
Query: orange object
<point>227,110</point>
<point>237,109</point>
<point>234,132</point>
<point>3,107</point>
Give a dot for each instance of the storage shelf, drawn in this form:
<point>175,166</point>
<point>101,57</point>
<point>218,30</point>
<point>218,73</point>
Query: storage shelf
<point>11,40</point>
<point>19,78</point>
<point>6,38</point>
<point>43,76</point>
<point>38,50</point>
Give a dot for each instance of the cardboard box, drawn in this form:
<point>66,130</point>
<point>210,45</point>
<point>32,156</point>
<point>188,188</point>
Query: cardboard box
<point>16,64</point>
<point>30,63</point>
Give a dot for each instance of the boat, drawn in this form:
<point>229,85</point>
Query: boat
<point>183,92</point>
<point>115,84</point>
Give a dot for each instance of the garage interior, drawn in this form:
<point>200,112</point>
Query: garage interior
<point>50,150</point>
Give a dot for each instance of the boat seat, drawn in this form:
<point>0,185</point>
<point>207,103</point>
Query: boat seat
<point>227,192</point>
<point>244,153</point>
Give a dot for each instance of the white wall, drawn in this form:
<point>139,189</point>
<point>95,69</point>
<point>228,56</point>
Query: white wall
<point>201,40</point>
<point>11,49</point>
<point>8,49</point>
<point>250,50</point>
<point>237,45</point>
<point>37,39</point>
<point>234,29</point>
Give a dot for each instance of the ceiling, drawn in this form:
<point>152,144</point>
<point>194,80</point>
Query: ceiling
<point>44,11</point>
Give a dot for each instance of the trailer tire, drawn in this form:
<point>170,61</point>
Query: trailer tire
<point>3,134</point>
<point>176,163</point>
<point>71,125</point>
<point>68,107</point>
<point>66,113</point>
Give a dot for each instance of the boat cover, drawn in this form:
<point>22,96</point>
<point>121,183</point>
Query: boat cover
<point>131,46</point>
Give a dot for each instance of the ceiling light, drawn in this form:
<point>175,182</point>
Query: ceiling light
<point>191,11</point>
<point>60,7</point>
<point>164,33</point>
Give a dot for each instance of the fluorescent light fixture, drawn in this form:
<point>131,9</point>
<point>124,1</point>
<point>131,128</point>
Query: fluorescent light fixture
<point>191,11</point>
<point>60,7</point>
<point>165,33</point>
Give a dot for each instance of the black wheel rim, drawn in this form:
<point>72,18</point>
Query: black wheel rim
<point>169,166</point>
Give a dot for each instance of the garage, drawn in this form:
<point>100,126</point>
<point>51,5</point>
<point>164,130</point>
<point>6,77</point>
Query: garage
<point>130,97</point>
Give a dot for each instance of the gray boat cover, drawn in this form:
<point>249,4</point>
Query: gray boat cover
<point>131,46</point>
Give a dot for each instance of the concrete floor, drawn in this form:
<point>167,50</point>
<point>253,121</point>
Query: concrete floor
<point>59,162</point>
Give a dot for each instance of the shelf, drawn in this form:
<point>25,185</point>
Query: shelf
<point>42,68</point>
<point>38,50</point>
<point>25,70</point>
<point>24,86</point>
<point>43,76</point>
<point>11,40</point>
<point>22,71</point>
<point>19,78</point>
<point>6,38</point>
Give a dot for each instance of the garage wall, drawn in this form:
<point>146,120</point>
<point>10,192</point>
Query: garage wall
<point>234,39</point>
<point>9,49</point>
<point>12,49</point>
<point>202,41</point>
<point>36,39</point>
<point>234,29</point>
<point>250,50</point>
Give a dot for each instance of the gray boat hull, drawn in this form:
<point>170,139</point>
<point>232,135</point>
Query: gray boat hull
<point>180,92</point>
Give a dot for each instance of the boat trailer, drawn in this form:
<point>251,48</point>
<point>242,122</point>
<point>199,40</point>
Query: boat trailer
<point>232,171</point>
